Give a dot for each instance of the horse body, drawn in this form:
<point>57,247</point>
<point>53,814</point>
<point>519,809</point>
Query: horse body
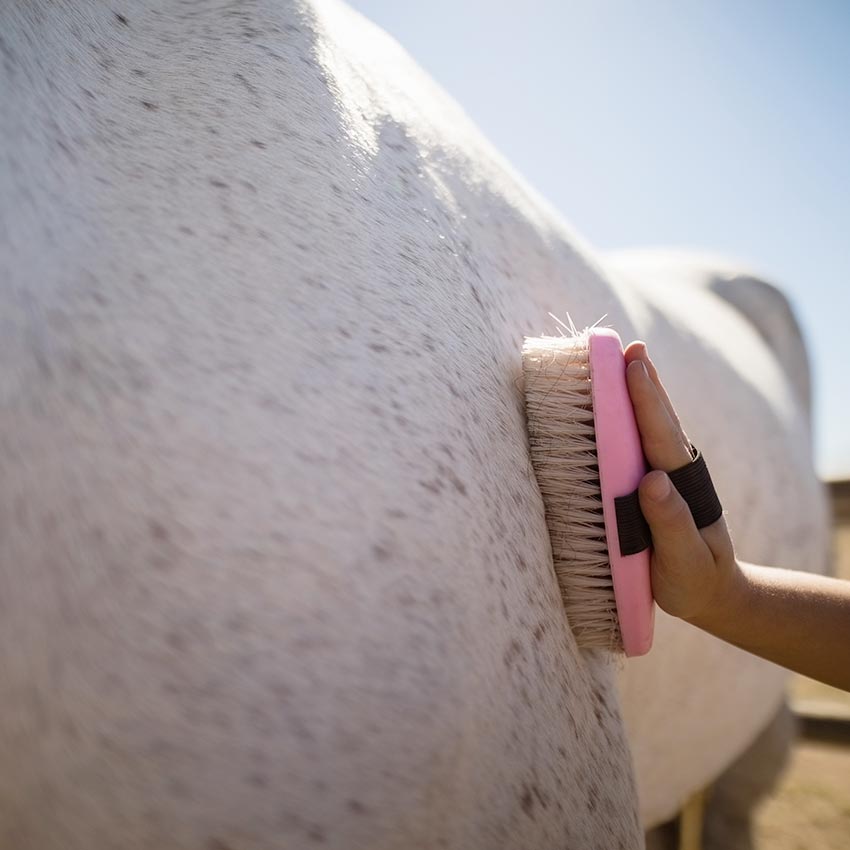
<point>275,568</point>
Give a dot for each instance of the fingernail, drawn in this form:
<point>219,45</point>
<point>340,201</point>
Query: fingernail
<point>659,487</point>
<point>643,368</point>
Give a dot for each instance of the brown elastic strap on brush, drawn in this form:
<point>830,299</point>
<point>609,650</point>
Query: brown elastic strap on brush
<point>694,485</point>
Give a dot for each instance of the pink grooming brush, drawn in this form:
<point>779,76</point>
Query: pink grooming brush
<point>587,457</point>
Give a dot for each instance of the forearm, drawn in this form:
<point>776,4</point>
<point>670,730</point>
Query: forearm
<point>795,619</point>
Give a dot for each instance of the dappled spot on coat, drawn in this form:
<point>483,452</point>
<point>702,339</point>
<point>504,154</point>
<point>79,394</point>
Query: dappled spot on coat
<point>438,597</point>
<point>526,800</point>
<point>457,483</point>
<point>257,779</point>
<point>179,789</point>
<point>241,78</point>
<point>540,797</point>
<point>238,622</point>
<point>357,807</point>
<point>513,652</point>
<point>448,473</point>
<point>158,531</point>
<point>316,835</point>
<point>176,640</point>
<point>381,551</point>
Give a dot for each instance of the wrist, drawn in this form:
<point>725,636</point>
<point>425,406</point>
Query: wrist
<point>727,603</point>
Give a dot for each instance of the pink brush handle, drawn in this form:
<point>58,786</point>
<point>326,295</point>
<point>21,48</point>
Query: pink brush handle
<point>621,468</point>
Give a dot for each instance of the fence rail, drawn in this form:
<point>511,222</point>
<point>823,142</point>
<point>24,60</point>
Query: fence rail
<point>839,493</point>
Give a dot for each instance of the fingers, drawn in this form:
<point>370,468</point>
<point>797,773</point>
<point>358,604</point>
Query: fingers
<point>688,564</point>
<point>637,351</point>
<point>664,443</point>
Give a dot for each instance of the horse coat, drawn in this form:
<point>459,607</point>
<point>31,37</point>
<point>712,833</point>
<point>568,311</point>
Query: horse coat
<point>275,571</point>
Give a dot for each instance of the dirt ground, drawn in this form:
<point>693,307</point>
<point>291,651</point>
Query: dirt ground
<point>811,808</point>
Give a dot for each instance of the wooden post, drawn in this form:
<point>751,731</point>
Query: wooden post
<point>690,821</point>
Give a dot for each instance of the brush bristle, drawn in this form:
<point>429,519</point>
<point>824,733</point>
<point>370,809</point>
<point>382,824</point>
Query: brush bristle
<point>559,407</point>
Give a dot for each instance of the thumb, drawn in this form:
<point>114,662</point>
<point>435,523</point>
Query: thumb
<point>676,541</point>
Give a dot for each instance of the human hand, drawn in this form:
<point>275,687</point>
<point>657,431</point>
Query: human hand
<point>694,571</point>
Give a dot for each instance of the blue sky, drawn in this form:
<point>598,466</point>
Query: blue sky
<point>713,125</point>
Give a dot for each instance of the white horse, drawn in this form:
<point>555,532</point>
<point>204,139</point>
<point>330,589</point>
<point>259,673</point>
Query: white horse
<point>274,570</point>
